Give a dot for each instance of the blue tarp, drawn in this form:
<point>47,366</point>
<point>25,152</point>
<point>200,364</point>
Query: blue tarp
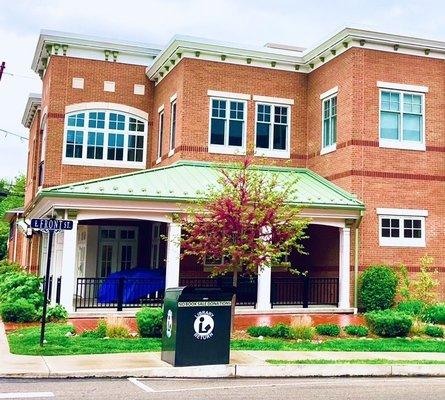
<point>139,283</point>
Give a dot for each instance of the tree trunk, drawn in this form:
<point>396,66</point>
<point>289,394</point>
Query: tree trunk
<point>235,285</point>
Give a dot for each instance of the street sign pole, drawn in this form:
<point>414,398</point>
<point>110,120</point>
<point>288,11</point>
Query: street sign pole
<point>46,289</point>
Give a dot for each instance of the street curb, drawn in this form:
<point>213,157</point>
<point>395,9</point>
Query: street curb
<point>249,371</point>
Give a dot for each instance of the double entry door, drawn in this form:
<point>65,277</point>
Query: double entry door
<point>117,249</point>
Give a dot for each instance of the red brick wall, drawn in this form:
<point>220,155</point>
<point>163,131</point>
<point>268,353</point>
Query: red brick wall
<point>34,148</point>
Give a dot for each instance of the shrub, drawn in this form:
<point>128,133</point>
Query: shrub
<point>328,329</point>
<point>101,329</point>
<point>389,323</point>
<point>418,327</point>
<point>302,332</point>
<point>256,331</point>
<point>434,331</point>
<point>19,285</point>
<point>6,267</point>
<point>356,330</point>
<point>57,314</point>
<point>435,314</point>
<point>377,288</point>
<point>149,322</point>
<point>412,307</point>
<point>18,311</point>
<point>281,331</point>
<point>116,327</point>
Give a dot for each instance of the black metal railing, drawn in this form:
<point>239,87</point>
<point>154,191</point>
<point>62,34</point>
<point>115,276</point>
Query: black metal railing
<point>50,287</point>
<point>116,293</point>
<point>246,291</point>
<point>58,289</point>
<point>304,291</point>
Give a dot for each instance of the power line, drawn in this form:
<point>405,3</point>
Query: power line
<point>22,138</point>
<point>20,76</point>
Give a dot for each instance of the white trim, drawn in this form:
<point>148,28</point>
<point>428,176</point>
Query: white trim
<point>328,149</point>
<point>99,105</point>
<point>274,100</point>
<point>158,160</point>
<point>329,93</point>
<point>33,103</point>
<point>173,97</point>
<point>161,133</point>
<point>174,103</point>
<point>402,212</point>
<point>228,95</point>
<point>402,241</point>
<point>332,147</point>
<point>402,87</point>
<point>161,108</point>
<point>139,89</point>
<point>400,143</point>
<point>109,86</point>
<point>78,83</point>
<point>171,152</point>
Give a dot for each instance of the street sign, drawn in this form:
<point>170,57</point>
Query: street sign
<point>48,224</point>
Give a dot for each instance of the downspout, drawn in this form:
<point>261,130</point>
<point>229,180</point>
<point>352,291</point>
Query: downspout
<point>16,228</point>
<point>356,256</point>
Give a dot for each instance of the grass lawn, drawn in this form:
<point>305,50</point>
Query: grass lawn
<point>26,341</point>
<point>373,361</point>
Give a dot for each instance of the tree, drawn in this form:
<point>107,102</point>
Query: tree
<point>14,198</point>
<point>245,220</point>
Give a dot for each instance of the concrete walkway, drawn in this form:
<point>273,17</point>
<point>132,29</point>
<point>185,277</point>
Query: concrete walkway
<point>242,363</point>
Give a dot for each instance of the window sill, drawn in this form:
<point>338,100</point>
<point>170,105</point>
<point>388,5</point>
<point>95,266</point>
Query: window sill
<point>401,145</point>
<point>103,163</point>
<point>272,153</point>
<point>401,243</point>
<point>217,149</point>
<point>158,160</point>
<point>328,149</point>
<point>171,152</point>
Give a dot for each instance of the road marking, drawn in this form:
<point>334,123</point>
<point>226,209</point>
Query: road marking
<point>141,385</point>
<point>25,395</point>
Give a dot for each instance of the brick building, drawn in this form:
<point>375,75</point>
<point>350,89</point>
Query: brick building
<point>125,133</point>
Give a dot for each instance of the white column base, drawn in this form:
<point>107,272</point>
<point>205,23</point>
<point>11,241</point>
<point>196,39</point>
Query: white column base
<point>173,256</point>
<point>263,290</point>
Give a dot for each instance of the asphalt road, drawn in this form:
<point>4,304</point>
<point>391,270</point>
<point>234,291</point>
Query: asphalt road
<point>220,389</point>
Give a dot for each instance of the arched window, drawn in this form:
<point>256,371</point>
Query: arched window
<point>105,138</point>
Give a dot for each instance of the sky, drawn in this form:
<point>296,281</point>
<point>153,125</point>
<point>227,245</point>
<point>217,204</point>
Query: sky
<point>253,22</point>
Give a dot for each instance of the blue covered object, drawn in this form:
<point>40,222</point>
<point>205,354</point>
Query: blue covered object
<point>139,283</point>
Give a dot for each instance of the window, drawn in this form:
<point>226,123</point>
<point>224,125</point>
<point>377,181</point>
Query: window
<point>406,230</point>
<point>227,126</point>
<point>172,125</point>
<point>272,130</point>
<point>402,119</point>
<point>210,261</point>
<point>105,138</point>
<point>329,124</point>
<point>161,135</point>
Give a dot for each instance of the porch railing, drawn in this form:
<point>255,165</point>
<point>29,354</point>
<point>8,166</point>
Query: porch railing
<point>116,293</point>
<point>304,291</point>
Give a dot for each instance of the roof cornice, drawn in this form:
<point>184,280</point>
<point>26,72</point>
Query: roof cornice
<point>33,103</point>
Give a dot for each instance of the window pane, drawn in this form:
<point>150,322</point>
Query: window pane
<point>408,233</point>
<point>279,137</point>
<point>262,135</point>
<point>417,233</point>
<point>217,131</point>
<point>235,133</point>
<point>417,223</point>
<point>385,232</point>
<point>236,110</point>
<point>326,128</point>
<point>385,222</point>
<point>389,125</point>
<point>334,129</point>
<point>395,232</point>
<point>394,223</point>
<point>407,223</point>
<point>263,113</point>
<point>412,126</point>
<point>219,108</point>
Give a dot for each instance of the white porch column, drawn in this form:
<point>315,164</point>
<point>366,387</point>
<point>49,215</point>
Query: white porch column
<point>173,255</point>
<point>68,283</point>
<point>344,268</point>
<point>263,290</point>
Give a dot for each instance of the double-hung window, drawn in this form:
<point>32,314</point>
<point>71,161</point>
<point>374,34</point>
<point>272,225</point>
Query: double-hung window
<point>329,124</point>
<point>272,130</point>
<point>402,228</point>
<point>105,138</point>
<point>227,126</point>
<point>402,116</point>
<point>172,126</point>
<point>160,135</point>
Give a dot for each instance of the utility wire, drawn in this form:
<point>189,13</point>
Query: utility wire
<point>22,138</point>
<point>20,76</point>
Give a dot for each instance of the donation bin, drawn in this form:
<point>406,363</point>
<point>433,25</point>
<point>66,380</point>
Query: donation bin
<point>196,326</point>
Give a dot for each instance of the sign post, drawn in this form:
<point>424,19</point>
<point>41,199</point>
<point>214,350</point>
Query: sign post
<point>49,226</point>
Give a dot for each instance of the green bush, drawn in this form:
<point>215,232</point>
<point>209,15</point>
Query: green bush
<point>302,332</point>
<point>328,329</point>
<point>389,323</point>
<point>18,311</point>
<point>412,307</point>
<point>117,331</point>
<point>256,331</point>
<point>101,329</point>
<point>434,331</point>
<point>19,285</point>
<point>56,314</point>
<point>149,322</point>
<point>435,314</point>
<point>281,331</point>
<point>6,267</point>
<point>377,288</point>
<point>356,330</point>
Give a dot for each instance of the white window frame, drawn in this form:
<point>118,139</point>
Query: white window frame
<point>225,148</point>
<point>402,215</point>
<point>400,143</point>
<point>333,146</point>
<point>271,152</point>
<point>173,103</point>
<point>161,132</point>
<point>104,162</point>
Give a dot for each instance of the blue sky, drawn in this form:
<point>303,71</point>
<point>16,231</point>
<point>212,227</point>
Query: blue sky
<point>254,22</point>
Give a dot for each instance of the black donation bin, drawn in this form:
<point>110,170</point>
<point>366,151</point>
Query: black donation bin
<point>196,326</point>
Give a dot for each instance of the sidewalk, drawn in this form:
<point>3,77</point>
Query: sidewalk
<point>242,364</point>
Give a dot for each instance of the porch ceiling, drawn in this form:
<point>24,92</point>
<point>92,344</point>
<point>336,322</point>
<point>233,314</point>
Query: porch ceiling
<point>184,180</point>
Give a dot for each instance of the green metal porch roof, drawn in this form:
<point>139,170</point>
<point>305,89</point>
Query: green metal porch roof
<point>184,180</point>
